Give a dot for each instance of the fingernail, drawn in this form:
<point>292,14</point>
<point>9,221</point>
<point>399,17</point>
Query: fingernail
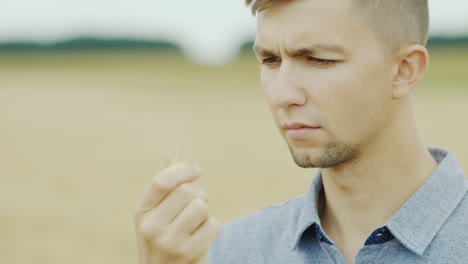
<point>197,169</point>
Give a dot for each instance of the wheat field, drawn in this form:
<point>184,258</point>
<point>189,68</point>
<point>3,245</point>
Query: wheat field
<point>82,134</point>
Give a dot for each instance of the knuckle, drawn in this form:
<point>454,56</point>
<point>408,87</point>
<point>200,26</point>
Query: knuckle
<point>139,207</point>
<point>167,243</point>
<point>148,230</point>
<point>186,252</point>
<point>186,168</point>
<point>200,205</point>
<point>185,190</point>
<point>163,244</point>
<point>182,253</point>
<point>160,185</point>
<point>174,250</point>
<point>169,178</point>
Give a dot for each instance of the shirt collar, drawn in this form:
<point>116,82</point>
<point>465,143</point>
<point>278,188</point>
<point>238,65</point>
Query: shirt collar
<point>420,219</point>
<point>422,216</point>
<point>309,211</point>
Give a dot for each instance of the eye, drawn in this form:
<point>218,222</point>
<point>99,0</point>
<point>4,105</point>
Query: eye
<point>271,60</point>
<point>321,62</point>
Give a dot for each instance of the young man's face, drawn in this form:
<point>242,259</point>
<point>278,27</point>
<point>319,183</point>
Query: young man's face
<point>323,68</point>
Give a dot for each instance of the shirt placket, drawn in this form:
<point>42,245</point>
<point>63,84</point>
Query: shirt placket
<point>368,254</point>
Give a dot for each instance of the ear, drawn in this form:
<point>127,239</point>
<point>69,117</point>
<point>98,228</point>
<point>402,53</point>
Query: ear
<point>412,63</point>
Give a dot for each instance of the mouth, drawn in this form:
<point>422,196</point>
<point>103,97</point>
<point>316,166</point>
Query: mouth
<point>301,131</point>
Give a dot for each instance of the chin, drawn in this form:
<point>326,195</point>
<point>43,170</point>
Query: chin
<point>332,155</point>
<point>306,157</point>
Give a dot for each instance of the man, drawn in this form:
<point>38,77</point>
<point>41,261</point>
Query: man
<point>338,76</point>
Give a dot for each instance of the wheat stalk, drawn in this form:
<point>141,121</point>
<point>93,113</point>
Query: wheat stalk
<point>171,158</point>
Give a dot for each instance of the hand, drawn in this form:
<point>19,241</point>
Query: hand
<point>171,218</point>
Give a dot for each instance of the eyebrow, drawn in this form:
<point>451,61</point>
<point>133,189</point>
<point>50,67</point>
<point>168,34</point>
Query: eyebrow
<point>311,50</point>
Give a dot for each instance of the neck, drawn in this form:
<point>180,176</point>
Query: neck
<point>363,194</point>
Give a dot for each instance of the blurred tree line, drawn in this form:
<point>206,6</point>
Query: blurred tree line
<point>89,43</point>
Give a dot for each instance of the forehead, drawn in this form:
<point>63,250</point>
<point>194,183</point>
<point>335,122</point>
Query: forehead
<point>302,22</point>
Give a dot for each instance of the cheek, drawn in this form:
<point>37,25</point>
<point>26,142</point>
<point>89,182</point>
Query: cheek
<point>266,80</point>
<point>354,103</point>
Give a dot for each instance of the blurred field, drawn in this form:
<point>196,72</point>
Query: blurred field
<point>83,133</point>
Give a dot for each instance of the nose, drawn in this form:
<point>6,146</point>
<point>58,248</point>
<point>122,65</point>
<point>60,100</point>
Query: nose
<point>284,88</point>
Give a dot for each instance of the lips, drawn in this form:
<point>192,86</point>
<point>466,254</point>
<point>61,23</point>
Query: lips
<point>299,126</point>
<point>301,131</point>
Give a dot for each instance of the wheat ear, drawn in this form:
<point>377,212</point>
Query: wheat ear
<point>170,160</point>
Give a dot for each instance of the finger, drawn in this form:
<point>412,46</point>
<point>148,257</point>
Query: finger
<point>164,182</point>
<point>191,217</point>
<point>176,201</point>
<point>202,239</point>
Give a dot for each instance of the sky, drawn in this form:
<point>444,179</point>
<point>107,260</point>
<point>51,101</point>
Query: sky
<point>209,31</point>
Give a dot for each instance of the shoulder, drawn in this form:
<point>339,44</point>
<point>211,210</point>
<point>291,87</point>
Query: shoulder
<point>268,217</point>
<point>246,236</point>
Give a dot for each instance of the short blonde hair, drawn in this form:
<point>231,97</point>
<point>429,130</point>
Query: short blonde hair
<point>396,23</point>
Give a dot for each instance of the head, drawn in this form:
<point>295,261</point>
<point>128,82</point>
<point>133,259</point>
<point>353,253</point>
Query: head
<point>344,67</point>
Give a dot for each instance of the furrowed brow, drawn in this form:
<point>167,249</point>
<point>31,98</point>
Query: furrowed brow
<point>312,50</point>
<point>261,52</point>
<point>317,49</point>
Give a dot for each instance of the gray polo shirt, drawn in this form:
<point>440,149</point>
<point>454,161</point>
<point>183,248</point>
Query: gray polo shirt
<point>432,227</point>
